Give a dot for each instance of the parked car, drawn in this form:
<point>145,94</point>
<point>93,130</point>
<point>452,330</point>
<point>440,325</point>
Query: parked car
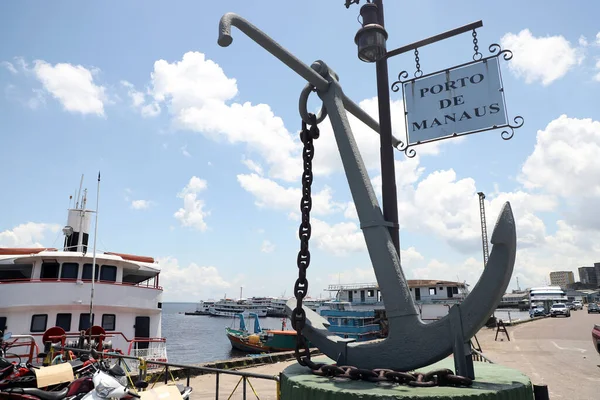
<point>578,305</point>
<point>570,305</point>
<point>593,308</point>
<point>560,309</point>
<point>538,311</point>
<point>596,337</point>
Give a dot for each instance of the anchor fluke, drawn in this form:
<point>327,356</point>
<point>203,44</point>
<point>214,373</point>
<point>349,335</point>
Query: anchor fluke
<point>411,343</point>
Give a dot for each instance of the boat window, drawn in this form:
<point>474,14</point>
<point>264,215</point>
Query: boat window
<point>108,322</point>
<point>131,277</point>
<point>84,320</point>
<point>2,323</point>
<point>455,290</point>
<point>432,291</point>
<point>39,322</point>
<point>441,288</point>
<point>64,320</point>
<point>371,293</point>
<point>69,271</point>
<point>86,274</point>
<point>16,271</point>
<point>49,270</point>
<point>108,273</point>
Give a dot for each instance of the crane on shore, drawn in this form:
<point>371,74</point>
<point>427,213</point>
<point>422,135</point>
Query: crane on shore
<point>484,238</point>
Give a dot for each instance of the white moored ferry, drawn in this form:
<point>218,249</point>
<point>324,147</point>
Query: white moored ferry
<point>230,307</point>
<point>45,293</point>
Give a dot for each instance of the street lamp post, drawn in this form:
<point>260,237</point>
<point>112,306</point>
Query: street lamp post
<point>371,41</point>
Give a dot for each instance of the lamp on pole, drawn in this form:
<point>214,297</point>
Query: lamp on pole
<point>371,41</point>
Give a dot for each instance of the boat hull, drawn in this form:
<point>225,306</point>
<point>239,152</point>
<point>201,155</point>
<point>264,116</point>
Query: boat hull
<point>276,341</point>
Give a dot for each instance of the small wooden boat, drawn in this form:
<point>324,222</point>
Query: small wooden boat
<point>261,340</point>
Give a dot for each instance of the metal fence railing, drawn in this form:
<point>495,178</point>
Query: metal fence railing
<point>167,370</point>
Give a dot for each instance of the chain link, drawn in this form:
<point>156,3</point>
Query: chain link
<point>477,55</point>
<point>418,72</point>
<point>443,377</point>
<point>307,136</point>
<point>440,377</point>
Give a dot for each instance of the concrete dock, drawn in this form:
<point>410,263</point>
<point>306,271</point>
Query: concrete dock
<point>557,352</point>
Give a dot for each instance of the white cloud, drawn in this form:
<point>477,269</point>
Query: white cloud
<point>267,246</point>
<point>270,194</point>
<point>198,94</point>
<point>195,185</point>
<point>37,100</point>
<point>543,59</point>
<point>9,66</point>
<point>192,214</point>
<point>73,86</point>
<point>565,160</point>
<point>141,204</point>
<point>30,234</point>
<point>190,283</point>
<point>583,42</point>
<point>185,152</point>
<point>339,239</point>
<point>138,101</point>
<point>598,38</point>
<point>597,76</point>
<point>253,166</point>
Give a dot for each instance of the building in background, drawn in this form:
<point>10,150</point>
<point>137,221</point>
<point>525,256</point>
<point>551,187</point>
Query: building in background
<point>587,275</point>
<point>561,278</point>
<point>597,270</point>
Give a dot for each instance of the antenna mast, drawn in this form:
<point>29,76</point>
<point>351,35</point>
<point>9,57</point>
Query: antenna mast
<point>79,192</point>
<point>94,260</point>
<point>484,238</point>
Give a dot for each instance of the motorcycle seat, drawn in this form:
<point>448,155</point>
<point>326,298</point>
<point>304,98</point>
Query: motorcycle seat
<point>42,394</point>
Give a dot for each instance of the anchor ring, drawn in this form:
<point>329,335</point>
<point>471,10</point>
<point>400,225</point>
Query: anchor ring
<point>302,104</point>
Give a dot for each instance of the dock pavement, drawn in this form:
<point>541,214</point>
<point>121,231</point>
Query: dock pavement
<point>557,352</point>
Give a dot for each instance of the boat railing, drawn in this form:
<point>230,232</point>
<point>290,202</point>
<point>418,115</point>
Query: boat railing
<point>145,284</point>
<point>148,349</point>
<point>107,335</point>
<point>353,286</point>
<point>18,342</point>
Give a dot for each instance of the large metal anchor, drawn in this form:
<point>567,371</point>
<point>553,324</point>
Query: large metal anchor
<point>411,343</point>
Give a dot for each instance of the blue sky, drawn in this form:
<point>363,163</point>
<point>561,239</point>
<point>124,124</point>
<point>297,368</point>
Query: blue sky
<point>198,144</point>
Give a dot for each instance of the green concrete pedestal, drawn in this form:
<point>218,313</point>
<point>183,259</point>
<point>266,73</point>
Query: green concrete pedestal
<point>492,381</point>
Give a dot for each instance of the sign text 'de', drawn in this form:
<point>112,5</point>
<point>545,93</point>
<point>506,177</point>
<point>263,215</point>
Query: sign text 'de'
<point>455,101</point>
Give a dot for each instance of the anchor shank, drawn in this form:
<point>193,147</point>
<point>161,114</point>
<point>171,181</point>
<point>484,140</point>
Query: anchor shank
<point>384,257</point>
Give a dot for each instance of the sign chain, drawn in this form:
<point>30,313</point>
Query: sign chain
<point>477,56</point>
<point>443,377</point>
<point>418,72</point>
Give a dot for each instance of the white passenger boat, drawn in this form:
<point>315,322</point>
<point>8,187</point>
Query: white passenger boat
<point>231,307</point>
<point>45,294</point>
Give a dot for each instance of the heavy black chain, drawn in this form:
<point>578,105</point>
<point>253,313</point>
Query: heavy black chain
<point>443,377</point>
<point>301,286</point>
<point>439,377</point>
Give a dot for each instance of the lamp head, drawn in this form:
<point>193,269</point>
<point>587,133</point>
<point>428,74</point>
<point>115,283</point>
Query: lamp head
<point>371,38</point>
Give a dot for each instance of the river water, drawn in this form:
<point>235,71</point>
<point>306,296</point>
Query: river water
<point>193,339</point>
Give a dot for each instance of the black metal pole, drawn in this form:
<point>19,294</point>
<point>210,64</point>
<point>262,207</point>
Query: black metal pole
<point>388,173</point>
